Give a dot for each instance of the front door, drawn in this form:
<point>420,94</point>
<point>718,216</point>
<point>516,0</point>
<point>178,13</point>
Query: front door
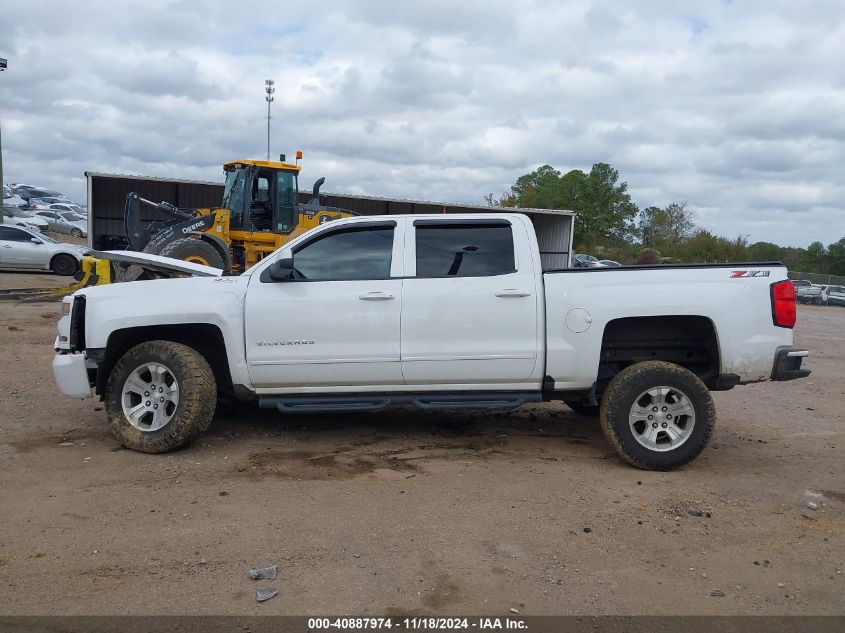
<point>336,322</point>
<point>469,307</point>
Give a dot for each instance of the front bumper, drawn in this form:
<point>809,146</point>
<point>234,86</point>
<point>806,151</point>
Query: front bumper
<point>71,375</point>
<point>788,363</point>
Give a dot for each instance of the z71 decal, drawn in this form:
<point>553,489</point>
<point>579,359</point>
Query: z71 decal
<point>749,273</point>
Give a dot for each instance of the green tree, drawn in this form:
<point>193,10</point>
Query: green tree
<point>836,257</point>
<point>665,229</point>
<point>603,206</point>
<point>764,252</point>
<point>815,259</point>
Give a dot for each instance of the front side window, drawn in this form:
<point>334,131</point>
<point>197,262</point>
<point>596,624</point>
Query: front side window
<point>464,250</point>
<point>10,234</point>
<point>354,253</point>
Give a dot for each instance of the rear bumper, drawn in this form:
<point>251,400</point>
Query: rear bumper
<point>788,363</point>
<point>71,375</point>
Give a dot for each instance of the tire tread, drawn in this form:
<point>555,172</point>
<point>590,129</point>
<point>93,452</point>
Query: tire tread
<point>614,396</point>
<point>197,397</point>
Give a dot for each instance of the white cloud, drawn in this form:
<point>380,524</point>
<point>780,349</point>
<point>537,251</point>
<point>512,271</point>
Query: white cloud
<point>737,108</point>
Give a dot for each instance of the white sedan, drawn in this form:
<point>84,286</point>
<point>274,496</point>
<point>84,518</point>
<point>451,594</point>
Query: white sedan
<point>64,222</point>
<point>24,249</point>
<point>18,217</point>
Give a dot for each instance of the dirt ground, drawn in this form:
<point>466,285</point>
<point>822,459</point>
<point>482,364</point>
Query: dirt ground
<point>410,512</point>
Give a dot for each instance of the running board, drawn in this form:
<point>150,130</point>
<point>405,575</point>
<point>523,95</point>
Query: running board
<point>375,402</point>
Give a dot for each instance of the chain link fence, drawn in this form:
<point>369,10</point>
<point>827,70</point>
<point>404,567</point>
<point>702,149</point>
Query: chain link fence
<point>819,278</point>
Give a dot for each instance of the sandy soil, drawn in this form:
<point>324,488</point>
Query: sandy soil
<point>414,512</point>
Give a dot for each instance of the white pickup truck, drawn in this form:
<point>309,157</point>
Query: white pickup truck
<point>439,311</point>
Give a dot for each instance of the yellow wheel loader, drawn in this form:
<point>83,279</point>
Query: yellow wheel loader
<point>259,213</point>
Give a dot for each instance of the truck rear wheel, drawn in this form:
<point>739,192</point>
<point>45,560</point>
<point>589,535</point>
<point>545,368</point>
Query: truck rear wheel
<point>159,396</point>
<point>657,415</point>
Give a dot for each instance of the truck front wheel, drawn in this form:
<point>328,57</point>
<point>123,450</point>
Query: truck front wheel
<point>159,396</point>
<point>657,415</point>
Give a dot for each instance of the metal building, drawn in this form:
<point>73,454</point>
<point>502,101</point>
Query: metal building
<point>107,197</point>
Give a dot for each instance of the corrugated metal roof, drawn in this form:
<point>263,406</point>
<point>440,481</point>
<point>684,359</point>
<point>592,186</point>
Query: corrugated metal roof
<point>136,177</point>
<point>376,200</point>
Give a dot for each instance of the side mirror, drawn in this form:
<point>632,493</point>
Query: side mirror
<point>34,240</point>
<point>282,269</point>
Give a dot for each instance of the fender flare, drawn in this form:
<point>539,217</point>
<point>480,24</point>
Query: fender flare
<point>219,245</point>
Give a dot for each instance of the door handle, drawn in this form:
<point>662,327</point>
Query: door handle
<point>376,296</point>
<point>7,246</point>
<point>513,292</point>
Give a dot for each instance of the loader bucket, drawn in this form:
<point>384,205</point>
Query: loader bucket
<point>92,272</point>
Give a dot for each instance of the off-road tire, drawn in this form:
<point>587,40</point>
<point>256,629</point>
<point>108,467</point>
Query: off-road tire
<point>620,396</point>
<point>188,248</point>
<point>197,400</point>
<point>64,265</point>
<point>582,408</point>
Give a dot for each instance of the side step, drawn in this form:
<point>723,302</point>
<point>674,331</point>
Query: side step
<point>375,402</point>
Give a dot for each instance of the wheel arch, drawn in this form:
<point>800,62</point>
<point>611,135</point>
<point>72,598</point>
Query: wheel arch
<point>690,341</point>
<point>205,338</point>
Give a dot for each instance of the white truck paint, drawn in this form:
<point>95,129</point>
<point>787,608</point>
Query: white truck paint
<point>554,334</point>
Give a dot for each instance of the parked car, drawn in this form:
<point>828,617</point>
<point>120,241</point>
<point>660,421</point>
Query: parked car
<point>44,203</point>
<point>71,207</point>
<point>585,261</point>
<point>11,199</point>
<point>609,262</point>
<point>449,312</point>
<point>28,194</point>
<point>24,249</point>
<point>806,292</point>
<point>18,187</point>
<point>18,217</point>
<point>833,295</point>
<point>65,222</point>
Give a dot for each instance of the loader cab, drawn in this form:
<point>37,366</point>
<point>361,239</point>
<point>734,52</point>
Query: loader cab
<point>261,195</point>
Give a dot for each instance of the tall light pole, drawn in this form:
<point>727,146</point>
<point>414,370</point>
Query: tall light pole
<point>269,88</point>
<point>3,65</point>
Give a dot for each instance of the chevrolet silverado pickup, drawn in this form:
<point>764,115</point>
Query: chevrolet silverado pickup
<point>438,311</point>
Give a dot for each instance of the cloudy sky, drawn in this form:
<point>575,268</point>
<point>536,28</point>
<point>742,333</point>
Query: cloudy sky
<point>737,107</point>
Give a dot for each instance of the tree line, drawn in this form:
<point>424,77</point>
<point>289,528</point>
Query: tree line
<point>609,225</point>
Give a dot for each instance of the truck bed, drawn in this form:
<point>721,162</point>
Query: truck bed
<point>593,313</point>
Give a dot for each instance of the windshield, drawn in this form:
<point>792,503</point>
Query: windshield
<point>17,213</point>
<point>836,289</point>
<point>49,240</point>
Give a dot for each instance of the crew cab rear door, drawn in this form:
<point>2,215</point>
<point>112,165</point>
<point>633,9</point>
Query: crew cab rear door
<point>336,322</point>
<point>469,303</point>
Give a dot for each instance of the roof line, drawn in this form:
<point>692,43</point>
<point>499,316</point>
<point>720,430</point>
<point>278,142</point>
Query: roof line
<point>478,207</point>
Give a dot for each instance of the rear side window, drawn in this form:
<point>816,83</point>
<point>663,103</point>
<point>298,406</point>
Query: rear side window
<point>464,250</point>
<point>355,253</point>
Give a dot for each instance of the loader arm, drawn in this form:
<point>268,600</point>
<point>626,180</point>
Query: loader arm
<point>138,235</point>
